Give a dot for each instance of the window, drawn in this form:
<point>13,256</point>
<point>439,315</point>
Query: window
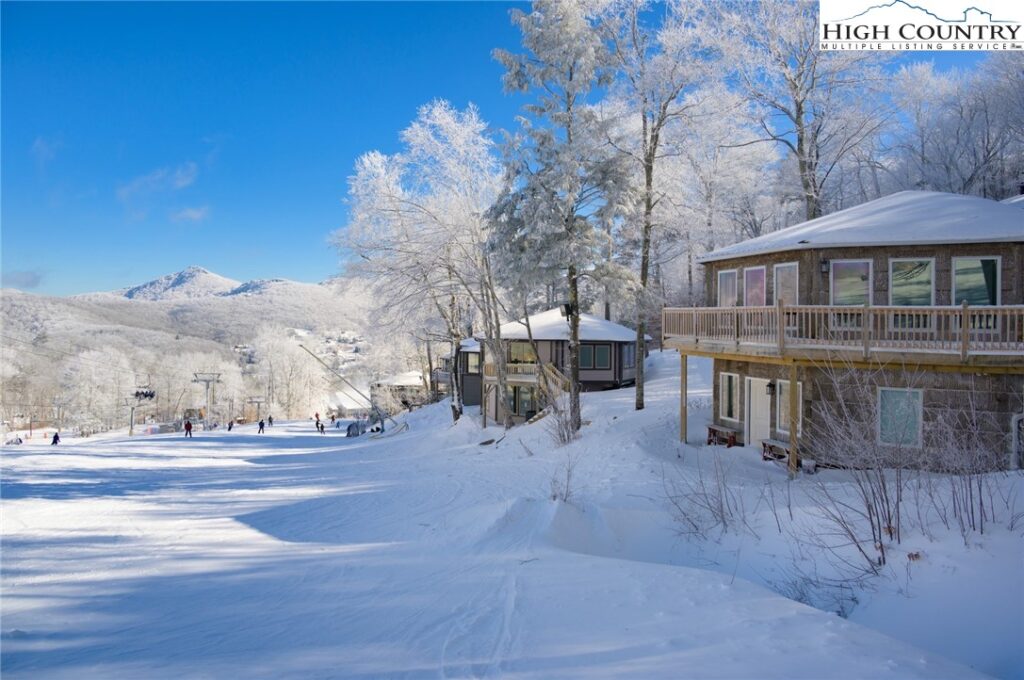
<point>522,401</point>
<point>521,353</point>
<point>899,416</point>
<point>472,362</point>
<point>629,356</point>
<point>754,287</point>
<point>912,282</point>
<point>727,288</point>
<point>850,282</point>
<point>782,407</point>
<point>976,280</point>
<point>787,283</point>
<point>728,396</point>
<point>586,356</point>
<point>595,357</point>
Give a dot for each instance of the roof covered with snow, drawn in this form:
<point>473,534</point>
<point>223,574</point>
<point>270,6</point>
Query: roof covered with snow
<point>551,325</point>
<point>904,218</point>
<point>469,345</point>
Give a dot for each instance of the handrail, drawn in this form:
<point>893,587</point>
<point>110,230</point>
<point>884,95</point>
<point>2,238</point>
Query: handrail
<point>964,330</point>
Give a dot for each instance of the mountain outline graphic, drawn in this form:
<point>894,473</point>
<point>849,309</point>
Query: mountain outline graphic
<point>962,20</point>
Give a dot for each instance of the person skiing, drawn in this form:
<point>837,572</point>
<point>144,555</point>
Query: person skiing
<point>323,430</point>
<point>56,439</point>
<point>260,431</point>
<point>270,419</point>
<point>188,428</point>
<point>231,424</point>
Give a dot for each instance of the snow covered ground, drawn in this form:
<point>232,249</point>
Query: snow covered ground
<point>427,554</point>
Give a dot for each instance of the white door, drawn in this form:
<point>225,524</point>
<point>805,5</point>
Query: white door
<point>759,412</point>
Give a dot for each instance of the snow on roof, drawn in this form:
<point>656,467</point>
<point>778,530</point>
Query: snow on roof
<point>1016,201</point>
<point>551,325</point>
<point>469,345</point>
<point>904,218</point>
<point>407,379</point>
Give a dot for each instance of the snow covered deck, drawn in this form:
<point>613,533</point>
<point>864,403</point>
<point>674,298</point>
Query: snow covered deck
<point>992,336</point>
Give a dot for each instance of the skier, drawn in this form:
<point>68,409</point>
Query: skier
<point>56,439</point>
<point>270,419</point>
<point>231,424</point>
<point>188,428</point>
<point>260,431</point>
<point>323,430</point>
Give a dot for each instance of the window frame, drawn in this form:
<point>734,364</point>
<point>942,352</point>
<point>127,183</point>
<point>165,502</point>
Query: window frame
<point>832,281</point>
<point>764,277</point>
<point>606,346</point>
<point>735,273</point>
<point>628,355</point>
<point>920,416</point>
<point>590,365</point>
<point>893,260</point>
<point>778,408</point>
<point>514,343</point>
<point>775,282</point>
<point>999,275</point>
<point>721,396</point>
<point>470,370</point>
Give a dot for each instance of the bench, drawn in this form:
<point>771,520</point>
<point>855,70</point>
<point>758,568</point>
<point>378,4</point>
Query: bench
<point>774,449</point>
<point>720,434</point>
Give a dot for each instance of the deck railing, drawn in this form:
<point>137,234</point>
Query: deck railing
<point>962,330</point>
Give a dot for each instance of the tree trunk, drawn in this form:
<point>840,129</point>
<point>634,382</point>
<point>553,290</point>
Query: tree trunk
<point>645,266</point>
<point>574,350</point>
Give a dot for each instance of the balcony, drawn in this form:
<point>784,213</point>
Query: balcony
<point>975,335</point>
<point>528,373</point>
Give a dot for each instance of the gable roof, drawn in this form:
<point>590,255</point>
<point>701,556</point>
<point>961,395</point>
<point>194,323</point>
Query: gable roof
<point>904,218</point>
<point>551,325</point>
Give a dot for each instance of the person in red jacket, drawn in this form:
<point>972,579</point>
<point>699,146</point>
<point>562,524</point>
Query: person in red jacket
<point>188,428</point>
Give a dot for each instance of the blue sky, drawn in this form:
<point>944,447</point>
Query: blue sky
<point>138,139</point>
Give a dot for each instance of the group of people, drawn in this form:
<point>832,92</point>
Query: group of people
<point>231,425</point>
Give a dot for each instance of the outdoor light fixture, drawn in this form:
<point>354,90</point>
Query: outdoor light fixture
<point>824,266</point>
<point>566,309</point>
<point>769,389</point>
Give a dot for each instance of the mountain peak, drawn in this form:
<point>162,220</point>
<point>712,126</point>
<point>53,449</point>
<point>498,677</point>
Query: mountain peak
<point>191,282</point>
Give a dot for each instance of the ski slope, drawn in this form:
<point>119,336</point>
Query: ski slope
<point>423,554</point>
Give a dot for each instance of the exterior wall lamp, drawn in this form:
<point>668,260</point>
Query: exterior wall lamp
<point>769,389</point>
<point>824,266</point>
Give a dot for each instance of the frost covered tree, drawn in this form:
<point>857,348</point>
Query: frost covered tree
<point>417,226</point>
<point>658,58</point>
<point>566,185</point>
<point>818,105</point>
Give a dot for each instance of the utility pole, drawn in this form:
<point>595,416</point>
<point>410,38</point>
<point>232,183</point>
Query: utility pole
<point>257,402</point>
<point>131,403</point>
<point>207,379</point>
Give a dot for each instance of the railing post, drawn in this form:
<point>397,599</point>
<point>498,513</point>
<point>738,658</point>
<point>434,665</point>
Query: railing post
<point>965,332</point>
<point>736,326</point>
<point>780,322</point>
<point>865,329</point>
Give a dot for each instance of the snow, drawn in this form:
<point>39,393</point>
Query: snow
<point>903,218</point>
<point>407,379</point>
<point>1017,201</point>
<point>427,554</point>
<point>551,325</point>
<point>470,345</point>
<point>191,282</point>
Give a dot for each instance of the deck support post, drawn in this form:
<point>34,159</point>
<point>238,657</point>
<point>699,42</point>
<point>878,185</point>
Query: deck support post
<point>965,332</point>
<point>794,419</point>
<point>865,329</point>
<point>682,397</point>
<point>780,321</point>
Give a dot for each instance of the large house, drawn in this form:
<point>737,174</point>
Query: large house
<point>607,361</point>
<point>919,295</point>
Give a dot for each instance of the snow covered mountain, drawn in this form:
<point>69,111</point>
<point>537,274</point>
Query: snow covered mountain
<point>193,282</point>
<point>190,310</point>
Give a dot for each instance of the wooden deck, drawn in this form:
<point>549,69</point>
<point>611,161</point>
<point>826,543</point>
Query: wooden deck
<point>964,335</point>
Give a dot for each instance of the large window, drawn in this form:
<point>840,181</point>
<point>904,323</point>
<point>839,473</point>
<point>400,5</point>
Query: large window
<point>522,401</point>
<point>754,287</point>
<point>629,355</point>
<point>521,353</point>
<point>595,357</point>
<point>472,362</point>
<point>782,407</point>
<point>850,282</point>
<point>976,280</point>
<point>912,282</point>
<point>727,288</point>
<point>900,416</point>
<point>729,396</point>
<point>787,283</point>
